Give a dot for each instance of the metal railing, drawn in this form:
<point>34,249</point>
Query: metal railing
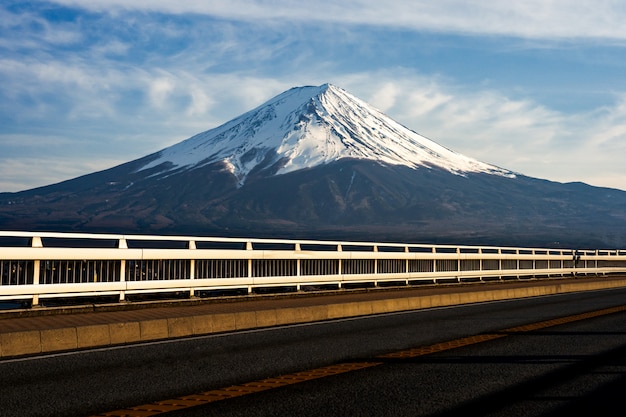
<point>49,265</point>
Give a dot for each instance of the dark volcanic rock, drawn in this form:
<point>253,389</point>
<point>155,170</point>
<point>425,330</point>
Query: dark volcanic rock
<point>347,200</point>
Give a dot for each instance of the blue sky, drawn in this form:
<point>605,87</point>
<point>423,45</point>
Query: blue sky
<point>538,86</point>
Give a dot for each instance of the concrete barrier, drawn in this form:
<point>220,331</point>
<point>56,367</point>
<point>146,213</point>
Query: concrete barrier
<point>33,342</point>
<point>123,333</point>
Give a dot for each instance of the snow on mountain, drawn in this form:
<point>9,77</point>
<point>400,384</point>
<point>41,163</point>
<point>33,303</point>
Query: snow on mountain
<point>309,126</point>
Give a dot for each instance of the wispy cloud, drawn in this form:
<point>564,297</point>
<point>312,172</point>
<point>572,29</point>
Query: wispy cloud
<point>25,173</point>
<point>518,134</point>
<point>529,19</point>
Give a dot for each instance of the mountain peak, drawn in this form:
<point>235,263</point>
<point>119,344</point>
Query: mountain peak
<point>308,126</point>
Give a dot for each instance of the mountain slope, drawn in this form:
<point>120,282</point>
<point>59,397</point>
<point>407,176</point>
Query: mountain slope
<point>316,162</point>
<point>309,126</point>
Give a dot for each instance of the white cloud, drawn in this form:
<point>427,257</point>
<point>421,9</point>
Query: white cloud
<point>40,31</point>
<point>612,120</point>
<point>40,169</point>
<point>514,133</point>
<point>201,102</point>
<point>528,19</point>
<point>72,118</point>
<point>112,47</point>
<point>160,90</point>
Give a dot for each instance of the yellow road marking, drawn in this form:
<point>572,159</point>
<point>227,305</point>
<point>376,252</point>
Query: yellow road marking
<point>188,401</point>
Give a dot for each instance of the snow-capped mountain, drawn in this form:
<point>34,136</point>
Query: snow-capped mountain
<point>318,163</point>
<point>309,126</point>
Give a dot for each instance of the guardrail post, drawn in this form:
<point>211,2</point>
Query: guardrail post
<point>122,244</point>
<point>36,243</point>
<point>297,249</point>
<point>36,269</point>
<point>458,264</point>
<point>376,266</point>
<point>434,252</point>
<point>249,247</point>
<point>339,266</point>
<point>406,265</point>
<point>192,268</point>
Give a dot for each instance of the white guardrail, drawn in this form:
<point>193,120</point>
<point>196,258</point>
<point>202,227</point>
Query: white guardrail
<point>47,265</point>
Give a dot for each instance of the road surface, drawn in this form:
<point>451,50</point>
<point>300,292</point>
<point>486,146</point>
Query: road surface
<point>535,356</point>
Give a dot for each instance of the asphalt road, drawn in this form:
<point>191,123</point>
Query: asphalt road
<point>563,369</point>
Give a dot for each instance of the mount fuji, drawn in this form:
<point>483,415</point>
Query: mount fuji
<point>317,162</point>
<point>310,126</point>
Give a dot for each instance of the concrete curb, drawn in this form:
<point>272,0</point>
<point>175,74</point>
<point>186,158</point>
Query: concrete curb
<point>33,342</point>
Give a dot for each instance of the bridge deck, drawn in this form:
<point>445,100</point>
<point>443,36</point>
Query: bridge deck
<point>44,330</point>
